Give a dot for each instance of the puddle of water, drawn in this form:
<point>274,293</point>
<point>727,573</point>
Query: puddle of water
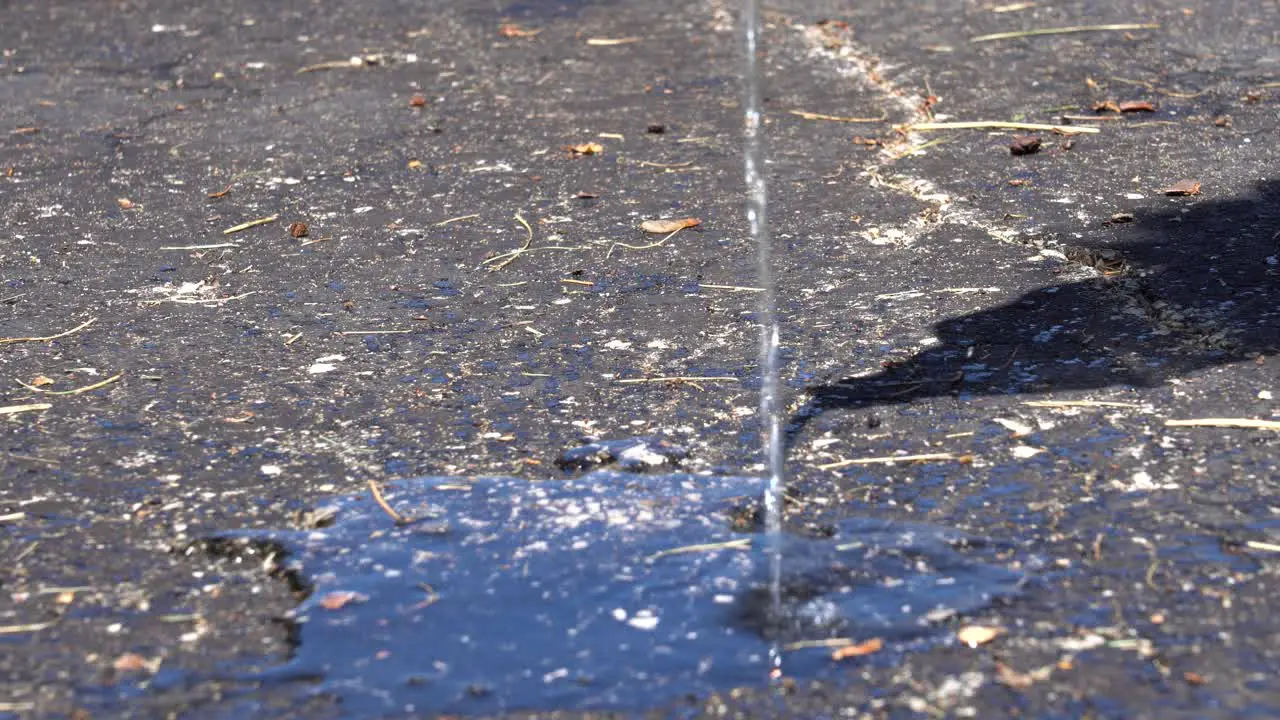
<point>586,593</point>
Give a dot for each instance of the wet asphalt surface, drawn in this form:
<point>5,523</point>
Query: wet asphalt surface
<point>932,284</point>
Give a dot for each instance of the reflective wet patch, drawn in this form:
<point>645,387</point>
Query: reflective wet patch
<point>605,591</point>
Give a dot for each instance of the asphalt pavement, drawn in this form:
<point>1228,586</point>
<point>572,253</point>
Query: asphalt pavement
<point>256,255</point>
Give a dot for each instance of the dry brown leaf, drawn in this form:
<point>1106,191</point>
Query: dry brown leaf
<point>1106,106</point>
<point>415,164</point>
<point>975,635</point>
<point>132,662</point>
<point>125,203</point>
<point>1009,677</point>
<point>66,597</point>
<point>1136,106</point>
<point>664,227</point>
<point>41,380</point>
<point>587,148</point>
<point>298,230</point>
<point>1182,187</point>
<point>340,598</point>
<point>865,647</point>
<point>512,30</point>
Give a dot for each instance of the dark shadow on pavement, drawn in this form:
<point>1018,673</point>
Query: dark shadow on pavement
<point>1181,289</point>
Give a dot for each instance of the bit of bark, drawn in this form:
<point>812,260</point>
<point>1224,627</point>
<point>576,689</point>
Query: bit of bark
<point>1025,145</point>
<point>1183,188</point>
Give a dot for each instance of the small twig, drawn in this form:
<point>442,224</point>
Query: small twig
<point>34,459</point>
<point>15,409</point>
<point>1078,403</point>
<point>47,338</point>
<point>510,257</point>
<point>646,163</point>
<point>832,176</point>
<point>599,42</point>
<point>432,597</point>
<point>68,589</point>
<point>12,517</point>
<point>374,332</point>
<point>678,378</point>
<point>250,224</point>
<point>460,218</point>
<point>827,643</point>
<point>213,246</point>
<point>918,149</point>
<point>736,288</point>
<point>25,552</point>
<point>1150,578</point>
<point>331,65</point>
<point>1011,7</point>
<point>313,241</point>
<point>77,391</point>
<point>1001,125</point>
<point>200,301</point>
<point>739,544</point>
<point>1062,31</point>
<point>1156,89</point>
<point>1226,423</point>
<point>865,647</point>
<point>649,246</point>
<point>1259,545</point>
<point>838,118</point>
<point>890,459</point>
<point>178,617</point>
<point>569,281</point>
<point>28,628</point>
<point>382,503</point>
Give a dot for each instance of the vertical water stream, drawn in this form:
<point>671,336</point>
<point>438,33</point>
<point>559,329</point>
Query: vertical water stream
<point>771,408</point>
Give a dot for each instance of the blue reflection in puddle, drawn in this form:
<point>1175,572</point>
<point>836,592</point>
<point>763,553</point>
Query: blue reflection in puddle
<point>599,592</point>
